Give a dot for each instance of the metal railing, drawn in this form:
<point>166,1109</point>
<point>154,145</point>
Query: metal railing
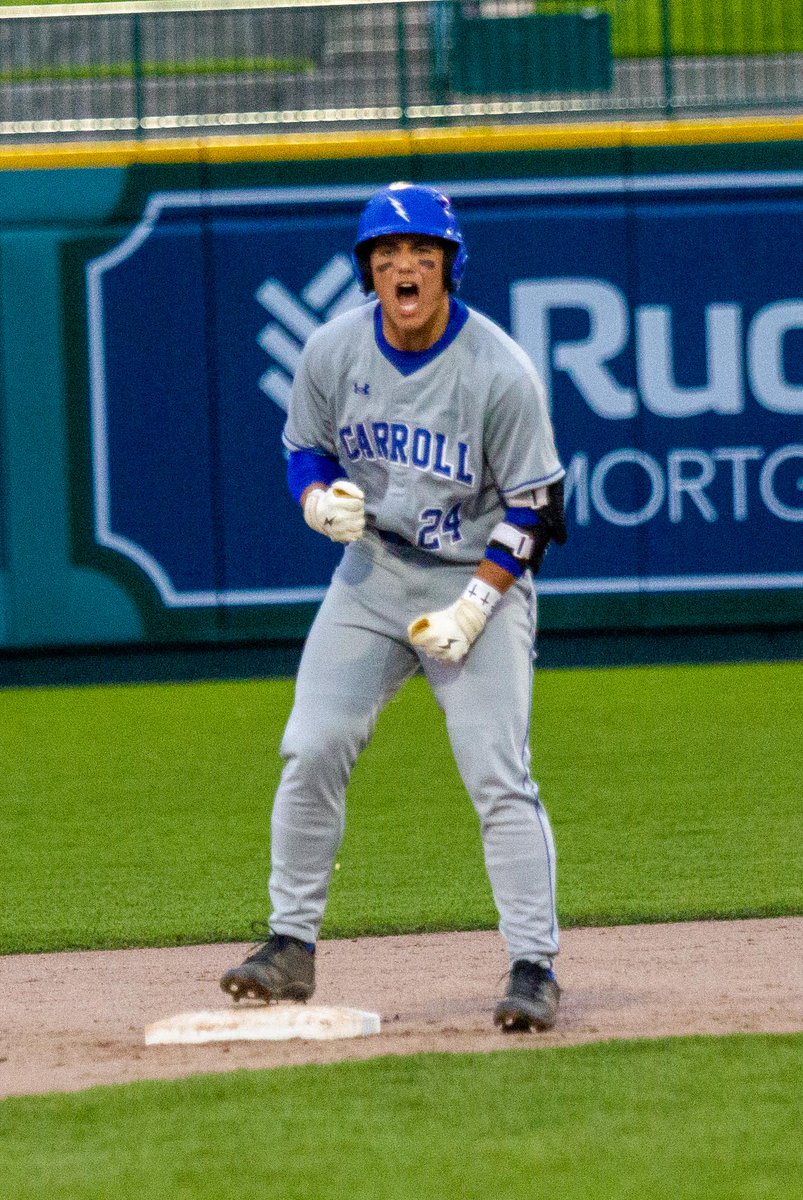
<point>150,68</point>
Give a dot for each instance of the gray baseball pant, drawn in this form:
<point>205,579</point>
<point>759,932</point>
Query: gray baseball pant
<point>356,658</point>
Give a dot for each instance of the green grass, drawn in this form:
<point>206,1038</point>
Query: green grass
<point>696,27</point>
<point>157,70</point>
<point>695,1119</point>
<point>139,815</point>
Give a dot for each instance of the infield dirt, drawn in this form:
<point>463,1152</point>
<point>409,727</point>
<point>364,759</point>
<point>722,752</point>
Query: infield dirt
<point>75,1020</point>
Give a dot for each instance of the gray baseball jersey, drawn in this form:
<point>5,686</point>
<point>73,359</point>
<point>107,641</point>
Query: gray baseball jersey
<point>439,452</point>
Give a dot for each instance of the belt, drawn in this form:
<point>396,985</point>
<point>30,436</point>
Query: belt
<point>395,539</point>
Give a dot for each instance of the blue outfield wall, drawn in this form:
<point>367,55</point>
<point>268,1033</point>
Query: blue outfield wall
<point>152,312</point>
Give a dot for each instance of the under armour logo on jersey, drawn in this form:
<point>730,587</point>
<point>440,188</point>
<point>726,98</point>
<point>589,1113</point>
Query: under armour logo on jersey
<point>333,290</point>
<point>362,389</point>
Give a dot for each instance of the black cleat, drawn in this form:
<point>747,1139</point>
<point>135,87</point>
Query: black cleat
<point>531,999</point>
<point>282,968</point>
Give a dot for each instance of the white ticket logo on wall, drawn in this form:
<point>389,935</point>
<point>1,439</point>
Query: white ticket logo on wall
<point>331,291</point>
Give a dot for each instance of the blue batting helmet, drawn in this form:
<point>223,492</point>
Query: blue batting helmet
<point>409,208</point>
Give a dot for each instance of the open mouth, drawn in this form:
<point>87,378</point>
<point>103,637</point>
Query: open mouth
<point>407,296</point>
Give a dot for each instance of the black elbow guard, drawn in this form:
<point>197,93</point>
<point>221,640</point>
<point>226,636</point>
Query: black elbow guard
<point>551,525</point>
<point>555,513</point>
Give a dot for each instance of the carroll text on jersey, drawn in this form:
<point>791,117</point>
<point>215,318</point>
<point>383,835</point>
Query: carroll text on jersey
<point>398,442</point>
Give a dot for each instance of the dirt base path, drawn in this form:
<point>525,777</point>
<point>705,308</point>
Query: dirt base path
<point>71,1021</point>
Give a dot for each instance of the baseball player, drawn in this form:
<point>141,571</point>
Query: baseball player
<point>419,436</point>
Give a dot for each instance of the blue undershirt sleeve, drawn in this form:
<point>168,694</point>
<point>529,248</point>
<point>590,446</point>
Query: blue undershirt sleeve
<point>308,466</point>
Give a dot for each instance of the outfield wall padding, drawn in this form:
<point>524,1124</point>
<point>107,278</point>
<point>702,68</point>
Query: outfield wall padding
<point>154,298</point>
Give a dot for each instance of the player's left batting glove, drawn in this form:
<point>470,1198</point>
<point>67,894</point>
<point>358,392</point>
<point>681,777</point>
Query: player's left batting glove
<point>449,634</point>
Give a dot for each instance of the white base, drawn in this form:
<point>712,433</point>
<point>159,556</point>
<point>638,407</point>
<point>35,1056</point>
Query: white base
<point>272,1023</point>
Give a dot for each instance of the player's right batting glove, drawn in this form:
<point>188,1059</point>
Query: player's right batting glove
<point>338,511</point>
<point>449,634</point>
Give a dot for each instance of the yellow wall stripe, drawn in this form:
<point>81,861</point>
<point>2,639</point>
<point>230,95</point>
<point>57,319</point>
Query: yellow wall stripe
<point>492,139</point>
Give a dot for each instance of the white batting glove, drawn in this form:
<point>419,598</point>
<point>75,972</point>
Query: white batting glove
<point>338,511</point>
<point>449,634</point>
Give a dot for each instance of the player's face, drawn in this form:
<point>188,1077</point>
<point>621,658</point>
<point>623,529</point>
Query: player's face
<point>408,279</point>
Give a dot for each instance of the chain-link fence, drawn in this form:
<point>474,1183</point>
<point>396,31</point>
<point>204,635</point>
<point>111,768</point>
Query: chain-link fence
<point>150,68</point>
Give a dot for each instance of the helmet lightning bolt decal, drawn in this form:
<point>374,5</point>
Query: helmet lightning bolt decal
<point>399,208</point>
